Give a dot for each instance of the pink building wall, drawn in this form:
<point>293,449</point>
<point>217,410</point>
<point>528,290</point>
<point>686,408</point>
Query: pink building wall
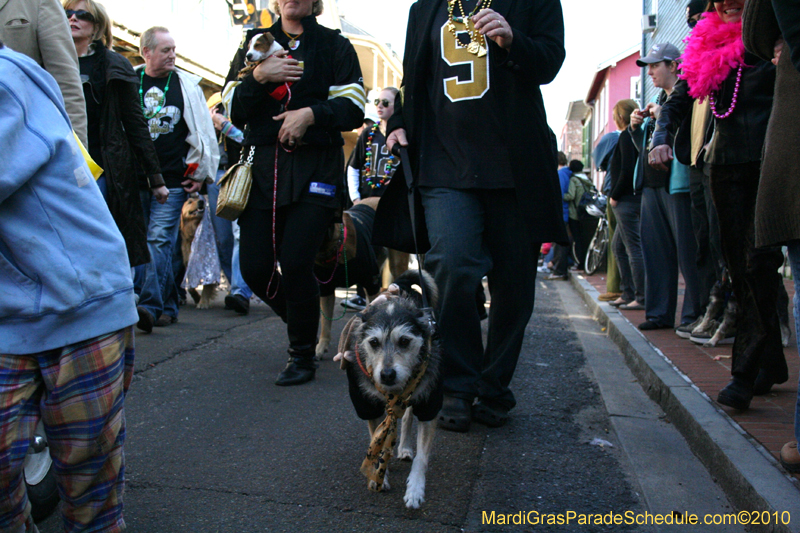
<point>610,84</point>
<point>619,87</point>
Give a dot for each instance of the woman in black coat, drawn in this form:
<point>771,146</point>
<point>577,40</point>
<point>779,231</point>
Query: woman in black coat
<point>119,140</point>
<point>294,138</point>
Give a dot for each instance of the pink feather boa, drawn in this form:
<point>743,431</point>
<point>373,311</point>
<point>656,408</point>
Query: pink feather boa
<point>713,49</point>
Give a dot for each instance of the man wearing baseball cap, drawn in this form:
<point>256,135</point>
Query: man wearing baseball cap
<point>668,242</point>
<point>684,127</point>
<point>659,52</point>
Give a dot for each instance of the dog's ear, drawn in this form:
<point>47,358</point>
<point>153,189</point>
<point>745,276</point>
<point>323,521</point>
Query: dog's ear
<point>348,338</point>
<point>425,320</point>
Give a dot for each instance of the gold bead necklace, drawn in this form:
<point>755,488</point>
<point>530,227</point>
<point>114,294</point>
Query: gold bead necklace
<point>477,42</point>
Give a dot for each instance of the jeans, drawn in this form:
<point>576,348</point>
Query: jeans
<point>667,243</point>
<point>614,280</point>
<point>476,233</point>
<point>157,278</point>
<point>628,236</point>
<point>238,285</point>
<point>227,243</point>
<point>794,262</point>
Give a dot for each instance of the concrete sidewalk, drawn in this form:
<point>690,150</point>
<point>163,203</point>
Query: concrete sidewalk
<point>738,447</point>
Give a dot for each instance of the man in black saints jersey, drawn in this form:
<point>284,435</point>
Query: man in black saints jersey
<point>474,122</point>
<point>182,131</point>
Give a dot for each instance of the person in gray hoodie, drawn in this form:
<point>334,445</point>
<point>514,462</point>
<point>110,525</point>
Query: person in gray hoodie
<point>66,310</point>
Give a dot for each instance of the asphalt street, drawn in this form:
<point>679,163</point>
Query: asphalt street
<point>214,446</point>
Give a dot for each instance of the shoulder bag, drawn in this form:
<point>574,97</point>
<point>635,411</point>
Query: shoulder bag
<point>234,187</point>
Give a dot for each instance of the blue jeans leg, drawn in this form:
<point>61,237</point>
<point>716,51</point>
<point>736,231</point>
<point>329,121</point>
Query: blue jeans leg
<point>223,230</point>
<point>794,261</point>
<point>145,280</point>
<point>238,285</point>
<point>162,233</point>
<point>475,233</point>
<point>458,260</point>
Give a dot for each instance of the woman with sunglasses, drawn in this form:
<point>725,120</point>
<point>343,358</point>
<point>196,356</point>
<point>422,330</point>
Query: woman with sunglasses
<point>38,29</point>
<point>295,144</point>
<point>372,166</point>
<point>740,93</point>
<point>118,134</point>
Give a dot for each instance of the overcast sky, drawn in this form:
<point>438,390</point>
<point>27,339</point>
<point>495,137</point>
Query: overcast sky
<point>596,31</point>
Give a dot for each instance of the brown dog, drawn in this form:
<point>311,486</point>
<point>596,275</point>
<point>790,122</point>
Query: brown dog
<point>192,213</point>
<point>261,47</point>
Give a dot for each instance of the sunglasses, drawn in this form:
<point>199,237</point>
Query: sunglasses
<point>80,14</point>
<point>378,102</point>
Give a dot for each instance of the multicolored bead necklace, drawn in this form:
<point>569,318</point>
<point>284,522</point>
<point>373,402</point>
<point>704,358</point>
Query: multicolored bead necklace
<point>713,98</point>
<point>163,97</point>
<point>376,182</point>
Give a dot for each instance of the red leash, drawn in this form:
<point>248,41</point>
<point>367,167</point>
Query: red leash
<point>274,210</point>
<point>361,365</point>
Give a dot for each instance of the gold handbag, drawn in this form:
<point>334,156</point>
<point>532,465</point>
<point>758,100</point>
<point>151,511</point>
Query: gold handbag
<point>234,188</point>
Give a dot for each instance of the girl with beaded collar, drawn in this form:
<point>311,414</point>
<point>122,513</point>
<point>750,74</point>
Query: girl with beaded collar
<point>740,89</point>
<point>371,166</point>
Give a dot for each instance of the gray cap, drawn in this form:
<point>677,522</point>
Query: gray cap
<point>659,52</point>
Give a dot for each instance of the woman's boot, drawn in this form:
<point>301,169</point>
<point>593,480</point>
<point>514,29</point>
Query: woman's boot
<point>302,324</point>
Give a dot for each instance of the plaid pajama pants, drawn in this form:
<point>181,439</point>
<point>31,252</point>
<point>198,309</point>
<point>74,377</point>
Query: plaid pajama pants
<point>78,391</point>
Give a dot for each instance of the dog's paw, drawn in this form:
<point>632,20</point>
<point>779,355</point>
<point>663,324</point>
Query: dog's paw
<point>786,335</point>
<point>374,486</point>
<point>405,454</point>
<point>194,294</point>
<point>322,349</point>
<point>203,305</point>
<point>415,496</point>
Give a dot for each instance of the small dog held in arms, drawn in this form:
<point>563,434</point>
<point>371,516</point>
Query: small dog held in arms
<point>192,214</point>
<point>261,47</point>
<point>391,356</point>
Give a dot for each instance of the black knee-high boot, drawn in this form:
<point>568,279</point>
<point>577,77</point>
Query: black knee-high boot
<point>302,324</point>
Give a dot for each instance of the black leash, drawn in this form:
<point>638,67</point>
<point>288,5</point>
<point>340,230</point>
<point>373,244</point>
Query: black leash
<point>402,152</point>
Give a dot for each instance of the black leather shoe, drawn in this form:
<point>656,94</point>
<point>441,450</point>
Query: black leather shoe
<point>298,371</point>
<point>238,303</point>
<point>456,414</point>
<point>736,394</point>
<point>146,320</point>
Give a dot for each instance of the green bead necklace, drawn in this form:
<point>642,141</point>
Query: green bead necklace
<point>163,98</point>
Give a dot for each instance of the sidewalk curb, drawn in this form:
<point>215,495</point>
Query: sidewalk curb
<point>750,477</point>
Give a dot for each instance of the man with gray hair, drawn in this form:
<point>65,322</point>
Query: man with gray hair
<point>182,131</point>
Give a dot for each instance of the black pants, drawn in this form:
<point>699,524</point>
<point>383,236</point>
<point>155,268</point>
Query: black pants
<point>706,233</point>
<point>560,258</point>
<point>582,232</point>
<point>300,230</point>
<point>753,272</point>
